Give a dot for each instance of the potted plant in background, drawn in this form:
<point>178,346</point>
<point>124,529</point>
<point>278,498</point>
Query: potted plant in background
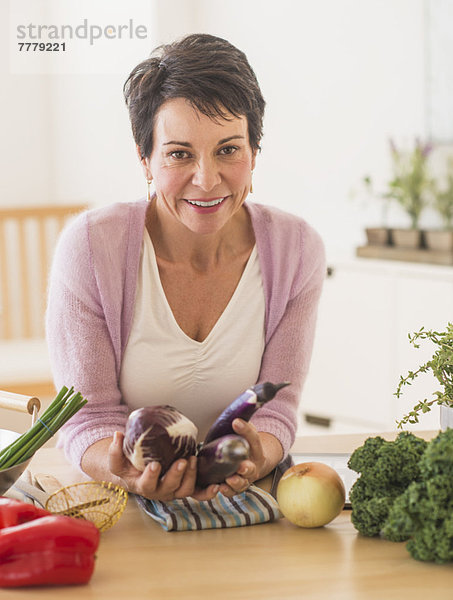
<point>377,235</point>
<point>441,366</point>
<point>412,188</point>
<point>442,239</point>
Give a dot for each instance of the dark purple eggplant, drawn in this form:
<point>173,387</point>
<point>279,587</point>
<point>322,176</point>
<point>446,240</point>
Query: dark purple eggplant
<point>220,459</point>
<point>243,407</point>
<point>158,433</point>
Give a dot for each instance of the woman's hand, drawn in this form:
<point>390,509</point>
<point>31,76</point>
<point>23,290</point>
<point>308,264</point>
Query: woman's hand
<point>265,453</point>
<point>178,481</point>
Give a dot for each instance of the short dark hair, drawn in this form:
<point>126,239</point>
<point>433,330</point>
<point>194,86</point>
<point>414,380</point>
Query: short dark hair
<point>209,72</point>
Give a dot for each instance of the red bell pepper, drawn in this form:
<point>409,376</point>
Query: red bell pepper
<point>14,512</point>
<point>46,550</point>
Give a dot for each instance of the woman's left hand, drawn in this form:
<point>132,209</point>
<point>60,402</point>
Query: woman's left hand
<point>265,452</point>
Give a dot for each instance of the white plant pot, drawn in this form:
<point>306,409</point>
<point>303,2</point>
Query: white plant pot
<point>446,417</point>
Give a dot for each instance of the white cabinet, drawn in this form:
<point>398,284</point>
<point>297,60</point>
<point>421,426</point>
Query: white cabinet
<point>367,309</point>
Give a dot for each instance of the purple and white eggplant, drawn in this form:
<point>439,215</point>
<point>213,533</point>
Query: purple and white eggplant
<point>158,433</point>
<point>221,458</point>
<point>244,407</point>
<point>163,434</point>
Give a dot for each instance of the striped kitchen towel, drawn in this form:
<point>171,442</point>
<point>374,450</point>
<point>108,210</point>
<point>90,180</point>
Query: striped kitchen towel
<point>248,508</point>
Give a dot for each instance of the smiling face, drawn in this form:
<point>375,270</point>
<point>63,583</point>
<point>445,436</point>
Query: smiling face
<point>201,168</point>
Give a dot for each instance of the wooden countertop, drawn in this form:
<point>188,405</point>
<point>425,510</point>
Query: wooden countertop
<point>346,443</point>
<point>137,559</point>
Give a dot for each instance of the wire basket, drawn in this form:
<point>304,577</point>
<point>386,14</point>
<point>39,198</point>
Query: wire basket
<point>100,502</point>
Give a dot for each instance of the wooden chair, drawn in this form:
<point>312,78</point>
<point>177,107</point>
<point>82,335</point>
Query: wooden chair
<point>27,240</point>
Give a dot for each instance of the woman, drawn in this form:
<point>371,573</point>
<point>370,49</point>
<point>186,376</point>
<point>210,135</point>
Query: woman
<point>194,295</point>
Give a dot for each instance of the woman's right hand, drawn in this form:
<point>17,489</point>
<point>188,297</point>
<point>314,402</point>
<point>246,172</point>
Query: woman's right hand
<point>178,481</point>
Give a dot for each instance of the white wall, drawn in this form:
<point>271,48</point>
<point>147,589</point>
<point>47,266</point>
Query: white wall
<point>93,149</point>
<point>339,77</point>
<point>25,165</point>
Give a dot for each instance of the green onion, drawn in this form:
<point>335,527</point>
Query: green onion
<point>62,408</point>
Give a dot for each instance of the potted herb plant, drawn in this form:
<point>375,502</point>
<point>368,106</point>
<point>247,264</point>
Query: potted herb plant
<point>411,187</point>
<point>441,366</point>
<point>442,239</point>
<point>379,235</point>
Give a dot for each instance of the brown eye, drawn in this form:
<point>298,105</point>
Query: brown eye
<point>179,154</point>
<point>228,150</point>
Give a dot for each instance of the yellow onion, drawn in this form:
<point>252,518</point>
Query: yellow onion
<point>311,494</point>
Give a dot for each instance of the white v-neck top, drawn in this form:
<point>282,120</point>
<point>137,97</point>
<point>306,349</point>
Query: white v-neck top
<point>163,365</point>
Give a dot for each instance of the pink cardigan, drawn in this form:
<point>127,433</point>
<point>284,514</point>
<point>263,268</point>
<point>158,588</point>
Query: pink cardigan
<point>91,302</point>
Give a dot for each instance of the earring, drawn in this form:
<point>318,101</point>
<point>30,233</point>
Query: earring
<point>251,185</point>
<point>149,182</point>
